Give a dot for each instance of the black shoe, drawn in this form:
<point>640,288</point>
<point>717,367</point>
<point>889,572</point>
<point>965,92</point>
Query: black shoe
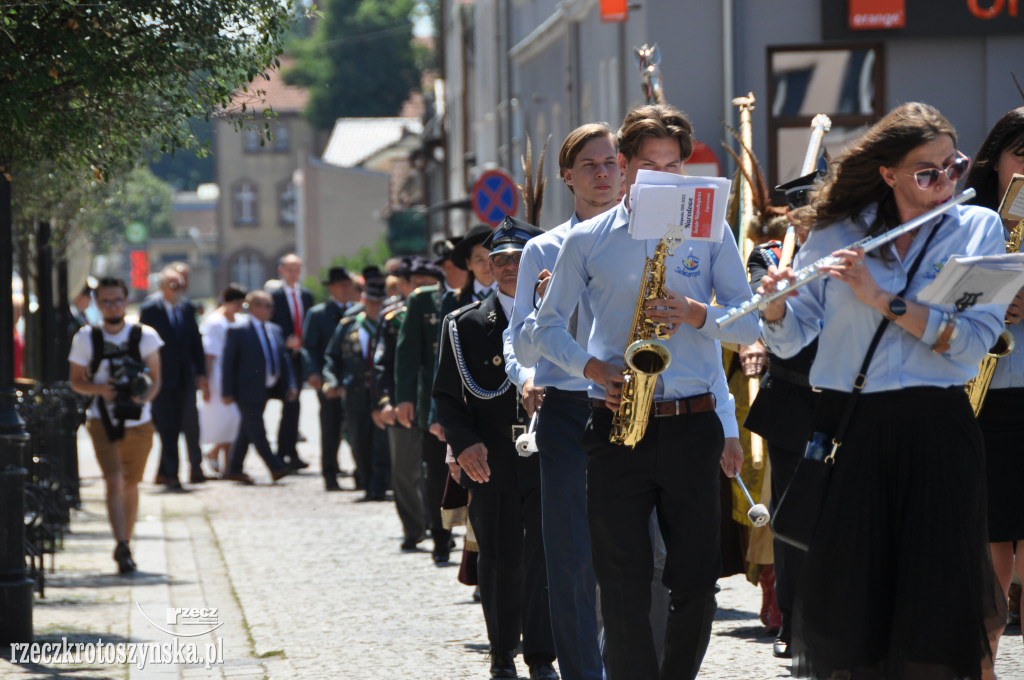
<point>197,477</point>
<point>780,649</point>
<point>410,545</point>
<point>543,671</point>
<point>280,473</point>
<point>331,483</point>
<point>297,464</point>
<point>503,665</point>
<point>123,557</point>
<point>171,483</point>
<point>441,559</point>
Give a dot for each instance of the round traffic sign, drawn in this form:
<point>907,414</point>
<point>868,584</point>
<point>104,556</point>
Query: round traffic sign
<point>136,233</point>
<point>494,197</point>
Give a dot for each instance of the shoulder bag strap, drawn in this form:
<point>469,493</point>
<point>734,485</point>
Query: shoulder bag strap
<point>861,379</point>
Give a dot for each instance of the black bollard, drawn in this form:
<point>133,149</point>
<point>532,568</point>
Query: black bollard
<point>15,585</point>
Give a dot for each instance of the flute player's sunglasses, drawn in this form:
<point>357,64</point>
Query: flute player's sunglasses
<point>956,169</point>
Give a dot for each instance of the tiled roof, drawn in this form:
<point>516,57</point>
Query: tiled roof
<point>353,140</point>
<point>276,95</point>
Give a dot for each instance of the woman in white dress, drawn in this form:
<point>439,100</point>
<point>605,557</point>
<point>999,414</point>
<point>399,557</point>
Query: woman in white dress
<point>218,422</point>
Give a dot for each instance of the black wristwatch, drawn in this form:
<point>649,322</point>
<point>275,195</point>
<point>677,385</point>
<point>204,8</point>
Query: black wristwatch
<point>897,308</point>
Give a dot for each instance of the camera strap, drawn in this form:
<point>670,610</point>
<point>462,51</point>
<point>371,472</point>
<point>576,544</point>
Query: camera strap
<point>114,430</point>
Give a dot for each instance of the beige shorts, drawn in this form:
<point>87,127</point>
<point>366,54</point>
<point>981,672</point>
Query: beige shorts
<point>126,456</point>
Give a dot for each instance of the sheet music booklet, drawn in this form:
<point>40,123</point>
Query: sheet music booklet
<point>979,280</point>
<point>660,201</point>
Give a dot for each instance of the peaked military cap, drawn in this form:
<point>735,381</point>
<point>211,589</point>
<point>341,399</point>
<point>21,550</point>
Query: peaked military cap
<point>511,235</point>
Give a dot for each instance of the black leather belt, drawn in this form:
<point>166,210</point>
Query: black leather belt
<point>790,376</point>
<point>676,407</point>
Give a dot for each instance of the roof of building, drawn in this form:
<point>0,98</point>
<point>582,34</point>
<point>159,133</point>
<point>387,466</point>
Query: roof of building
<point>273,93</point>
<point>353,140</point>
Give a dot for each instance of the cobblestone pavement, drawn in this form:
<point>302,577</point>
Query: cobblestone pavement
<point>306,584</point>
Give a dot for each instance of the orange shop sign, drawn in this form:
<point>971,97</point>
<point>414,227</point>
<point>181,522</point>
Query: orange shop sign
<point>869,15</point>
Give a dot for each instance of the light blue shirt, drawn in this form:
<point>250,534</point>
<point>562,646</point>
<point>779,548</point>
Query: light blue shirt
<point>600,257</point>
<point>539,254</point>
<point>828,307</point>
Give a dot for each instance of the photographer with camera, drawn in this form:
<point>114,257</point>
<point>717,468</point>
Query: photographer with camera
<point>118,364</point>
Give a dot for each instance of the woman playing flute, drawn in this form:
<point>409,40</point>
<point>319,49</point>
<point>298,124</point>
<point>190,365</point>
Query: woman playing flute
<point>897,582</point>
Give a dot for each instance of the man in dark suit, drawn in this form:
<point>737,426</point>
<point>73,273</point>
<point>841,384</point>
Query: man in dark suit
<point>182,367</point>
<point>479,409</point>
<point>316,335</point>
<point>291,303</point>
<point>255,369</point>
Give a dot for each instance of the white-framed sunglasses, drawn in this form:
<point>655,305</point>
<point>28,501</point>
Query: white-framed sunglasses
<point>953,171</point>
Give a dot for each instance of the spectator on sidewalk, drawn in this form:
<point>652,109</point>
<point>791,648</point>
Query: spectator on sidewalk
<point>291,303</point>
<point>183,367</point>
<point>119,420</point>
<point>219,422</point>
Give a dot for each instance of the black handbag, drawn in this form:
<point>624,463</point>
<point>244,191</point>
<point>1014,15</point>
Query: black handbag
<point>797,512</point>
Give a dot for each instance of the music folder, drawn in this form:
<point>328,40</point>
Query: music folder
<point>979,280</point>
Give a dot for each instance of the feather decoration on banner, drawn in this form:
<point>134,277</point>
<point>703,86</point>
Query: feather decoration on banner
<point>761,197</point>
<point>533,187</point>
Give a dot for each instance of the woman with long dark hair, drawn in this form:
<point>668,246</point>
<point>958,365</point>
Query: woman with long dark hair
<point>897,582</point>
<point>1002,414</point>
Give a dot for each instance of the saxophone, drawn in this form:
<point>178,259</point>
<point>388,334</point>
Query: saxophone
<point>977,388</point>
<point>646,356</point>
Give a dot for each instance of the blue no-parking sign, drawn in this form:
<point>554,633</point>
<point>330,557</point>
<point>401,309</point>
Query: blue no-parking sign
<point>494,197</point>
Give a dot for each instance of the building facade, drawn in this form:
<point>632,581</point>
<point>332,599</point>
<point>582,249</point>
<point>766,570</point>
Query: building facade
<point>257,210</point>
<point>542,67</point>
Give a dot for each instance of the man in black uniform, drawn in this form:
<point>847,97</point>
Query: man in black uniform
<point>481,414</point>
<point>406,443</point>
<point>348,368</point>
<point>317,329</point>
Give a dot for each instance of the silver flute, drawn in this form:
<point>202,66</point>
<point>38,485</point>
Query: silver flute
<point>811,272</point>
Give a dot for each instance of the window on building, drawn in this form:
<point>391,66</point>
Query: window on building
<point>248,270</point>
<point>281,137</point>
<point>251,140</point>
<point>286,205</point>
<point>844,82</point>
<point>244,203</point>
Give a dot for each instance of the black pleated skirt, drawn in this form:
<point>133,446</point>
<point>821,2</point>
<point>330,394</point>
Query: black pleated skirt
<point>1002,426</point>
<point>898,581</point>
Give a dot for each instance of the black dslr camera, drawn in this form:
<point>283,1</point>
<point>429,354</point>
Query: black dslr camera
<point>130,378</point>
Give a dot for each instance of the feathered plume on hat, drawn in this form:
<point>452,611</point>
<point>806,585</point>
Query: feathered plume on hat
<point>533,188</point>
<point>768,221</point>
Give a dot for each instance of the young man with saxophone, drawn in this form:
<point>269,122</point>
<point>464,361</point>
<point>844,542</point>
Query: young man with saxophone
<point>588,165</point>
<point>691,428</point>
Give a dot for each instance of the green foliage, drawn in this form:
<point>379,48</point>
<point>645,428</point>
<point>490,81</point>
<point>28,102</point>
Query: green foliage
<point>185,170</point>
<point>377,254</point>
<point>76,202</point>
<point>140,197</point>
<point>359,62</point>
<point>93,84</point>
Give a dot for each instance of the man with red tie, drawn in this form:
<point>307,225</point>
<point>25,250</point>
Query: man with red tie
<point>291,302</point>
